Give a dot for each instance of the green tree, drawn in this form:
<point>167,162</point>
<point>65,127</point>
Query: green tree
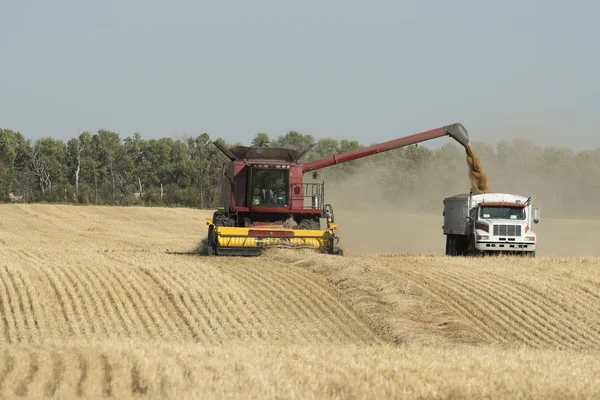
<point>260,140</point>
<point>207,163</point>
<point>293,140</point>
<point>49,163</point>
<point>114,160</point>
<point>325,147</point>
<point>7,162</point>
<point>349,145</point>
<point>79,154</point>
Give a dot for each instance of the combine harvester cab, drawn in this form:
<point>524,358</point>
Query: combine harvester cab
<point>265,201</point>
<point>491,223</point>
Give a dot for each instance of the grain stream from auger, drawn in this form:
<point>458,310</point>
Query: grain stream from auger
<point>111,302</point>
<point>477,175</point>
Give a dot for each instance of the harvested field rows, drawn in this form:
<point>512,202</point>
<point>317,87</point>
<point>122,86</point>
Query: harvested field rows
<point>131,369</point>
<point>122,296</point>
<point>541,303</point>
<point>99,301</point>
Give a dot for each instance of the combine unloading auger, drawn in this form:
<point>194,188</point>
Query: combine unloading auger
<point>264,201</point>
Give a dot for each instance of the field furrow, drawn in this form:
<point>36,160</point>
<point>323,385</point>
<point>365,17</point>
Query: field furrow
<point>119,319</point>
<point>275,309</point>
<point>6,316</point>
<point>175,299</point>
<point>513,315</point>
<point>15,310</point>
<point>262,312</point>
<point>28,374</point>
<point>478,313</point>
<point>148,294</point>
<point>548,314</point>
<point>35,303</point>
<point>69,306</point>
<point>58,371</point>
<point>296,299</point>
<point>211,322</point>
<point>8,365</point>
<point>324,294</point>
<point>586,301</point>
<point>75,283</point>
<point>31,333</point>
<point>567,321</point>
<point>161,318</point>
<point>96,300</point>
<point>143,320</point>
<point>319,302</point>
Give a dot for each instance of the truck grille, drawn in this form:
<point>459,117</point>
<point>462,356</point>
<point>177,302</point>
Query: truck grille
<point>507,230</point>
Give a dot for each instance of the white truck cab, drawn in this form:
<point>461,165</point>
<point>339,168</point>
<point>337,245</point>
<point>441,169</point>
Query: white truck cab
<point>490,223</point>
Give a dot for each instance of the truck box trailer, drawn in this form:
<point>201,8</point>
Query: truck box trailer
<point>490,223</point>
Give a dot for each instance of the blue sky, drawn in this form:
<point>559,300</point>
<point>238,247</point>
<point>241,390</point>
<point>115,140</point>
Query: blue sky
<point>369,71</point>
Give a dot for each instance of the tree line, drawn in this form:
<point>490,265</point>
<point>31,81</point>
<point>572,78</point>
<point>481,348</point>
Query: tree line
<point>104,168</point>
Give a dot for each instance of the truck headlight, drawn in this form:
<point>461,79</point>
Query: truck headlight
<point>483,237</point>
<point>483,227</point>
<point>530,238</point>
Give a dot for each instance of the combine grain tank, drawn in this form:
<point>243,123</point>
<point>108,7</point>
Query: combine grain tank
<point>490,223</point>
<point>265,202</point>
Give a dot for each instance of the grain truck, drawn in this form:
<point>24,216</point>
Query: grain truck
<point>490,223</point>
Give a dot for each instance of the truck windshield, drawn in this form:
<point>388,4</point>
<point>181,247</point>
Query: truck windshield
<point>269,188</point>
<point>502,213</point>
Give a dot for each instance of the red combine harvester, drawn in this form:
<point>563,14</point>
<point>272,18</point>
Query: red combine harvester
<point>265,202</point>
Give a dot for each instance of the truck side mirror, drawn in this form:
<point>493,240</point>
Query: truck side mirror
<point>536,215</point>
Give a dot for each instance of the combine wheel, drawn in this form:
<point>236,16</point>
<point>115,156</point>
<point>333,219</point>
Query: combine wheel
<point>221,218</point>
<point>309,224</point>
<point>337,252</point>
<point>211,242</point>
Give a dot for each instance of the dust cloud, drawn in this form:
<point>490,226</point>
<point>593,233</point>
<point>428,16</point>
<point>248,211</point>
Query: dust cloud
<point>391,204</point>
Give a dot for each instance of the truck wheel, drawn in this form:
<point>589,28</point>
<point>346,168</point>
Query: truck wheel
<point>452,245</point>
<point>463,247</point>
<point>471,248</point>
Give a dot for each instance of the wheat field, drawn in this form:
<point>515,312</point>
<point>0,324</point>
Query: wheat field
<point>116,302</point>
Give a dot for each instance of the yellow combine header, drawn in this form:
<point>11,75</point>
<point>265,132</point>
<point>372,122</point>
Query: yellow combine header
<point>224,240</point>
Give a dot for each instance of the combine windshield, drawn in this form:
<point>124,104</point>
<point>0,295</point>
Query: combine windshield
<point>502,213</point>
<point>269,187</point>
